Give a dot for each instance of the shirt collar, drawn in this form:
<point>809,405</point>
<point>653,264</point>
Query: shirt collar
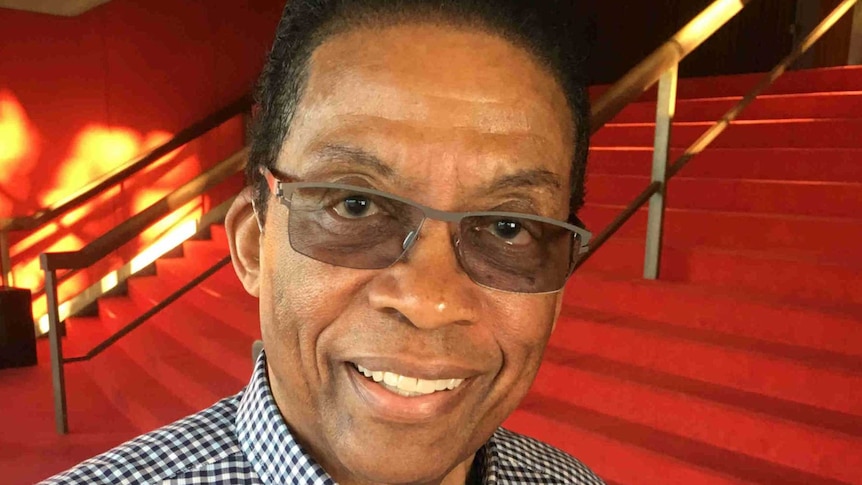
<point>277,457</point>
<point>266,440</point>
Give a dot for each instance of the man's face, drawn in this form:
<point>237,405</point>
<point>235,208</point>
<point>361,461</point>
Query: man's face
<point>441,116</point>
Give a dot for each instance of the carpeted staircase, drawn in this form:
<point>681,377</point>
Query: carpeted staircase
<point>742,365</point>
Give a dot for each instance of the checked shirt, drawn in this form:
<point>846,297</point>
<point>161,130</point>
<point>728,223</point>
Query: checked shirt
<point>244,440</point>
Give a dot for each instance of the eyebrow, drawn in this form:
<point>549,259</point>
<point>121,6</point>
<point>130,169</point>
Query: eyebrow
<point>351,155</point>
<point>354,156</point>
<point>528,178</point>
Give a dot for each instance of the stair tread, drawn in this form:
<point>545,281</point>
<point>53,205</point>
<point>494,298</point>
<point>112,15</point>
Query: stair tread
<point>193,381</point>
<point>717,465</point>
<point>743,366</point>
<point>721,309</point>
<point>778,376</point>
<point>749,432</point>
<point>605,453</point>
<point>829,282</point>
<point>814,359</point>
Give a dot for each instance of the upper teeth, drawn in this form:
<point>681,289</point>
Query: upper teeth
<point>409,386</point>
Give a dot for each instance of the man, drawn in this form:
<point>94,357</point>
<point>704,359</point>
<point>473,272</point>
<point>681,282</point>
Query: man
<point>411,169</point>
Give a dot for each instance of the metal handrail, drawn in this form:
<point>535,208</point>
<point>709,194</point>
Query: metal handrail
<point>99,186</point>
<point>656,187</point>
<point>131,228</point>
<point>103,246</point>
<point>111,179</point>
<point>137,322</point>
<point>647,72</point>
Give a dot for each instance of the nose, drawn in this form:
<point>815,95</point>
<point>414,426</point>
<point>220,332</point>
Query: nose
<point>427,287</point>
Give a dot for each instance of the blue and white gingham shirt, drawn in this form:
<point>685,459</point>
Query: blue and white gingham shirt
<point>244,440</point>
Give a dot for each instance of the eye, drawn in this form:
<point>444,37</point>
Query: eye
<point>355,207</point>
<point>511,231</point>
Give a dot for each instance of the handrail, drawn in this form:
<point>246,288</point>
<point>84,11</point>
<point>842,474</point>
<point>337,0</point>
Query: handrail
<point>100,248</point>
<point>128,230</point>
<point>647,72</point>
<point>137,322</point>
<point>100,185</point>
<point>717,128</point>
<point>75,200</point>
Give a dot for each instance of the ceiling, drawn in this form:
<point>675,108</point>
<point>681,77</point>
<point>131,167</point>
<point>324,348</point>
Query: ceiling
<point>66,8</point>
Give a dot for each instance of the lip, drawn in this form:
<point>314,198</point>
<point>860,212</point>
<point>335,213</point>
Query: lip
<point>389,406</point>
<point>422,369</point>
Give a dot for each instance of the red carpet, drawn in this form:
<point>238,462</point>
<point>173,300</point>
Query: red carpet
<point>742,366</point>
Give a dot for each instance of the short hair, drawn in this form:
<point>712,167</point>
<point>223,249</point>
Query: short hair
<point>553,31</point>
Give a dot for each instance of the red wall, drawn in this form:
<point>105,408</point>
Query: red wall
<point>80,96</point>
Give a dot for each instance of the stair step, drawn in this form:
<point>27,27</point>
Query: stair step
<point>834,237</point>
<point>847,104</point>
<point>831,79</point>
<point>27,398</point>
<point>219,236</point>
<point>210,296</point>
<point>825,199</point>
<point>808,276</point>
<point>812,450</point>
<point>196,383</point>
<point>610,455</point>
<point>132,390</point>
<point>798,133</point>
<point>649,455</point>
<point>735,313</point>
<point>206,337</point>
<point>641,343</point>
<point>798,164</point>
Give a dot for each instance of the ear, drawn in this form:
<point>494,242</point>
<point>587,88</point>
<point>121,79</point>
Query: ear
<point>243,236</point>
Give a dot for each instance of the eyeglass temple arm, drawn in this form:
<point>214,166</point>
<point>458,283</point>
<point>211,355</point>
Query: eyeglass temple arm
<point>272,182</point>
<point>576,221</point>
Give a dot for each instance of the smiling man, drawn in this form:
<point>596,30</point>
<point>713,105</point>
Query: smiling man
<point>408,229</point>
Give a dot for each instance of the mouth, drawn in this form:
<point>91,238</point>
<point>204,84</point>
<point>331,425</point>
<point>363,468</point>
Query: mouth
<point>393,397</point>
<point>406,386</point>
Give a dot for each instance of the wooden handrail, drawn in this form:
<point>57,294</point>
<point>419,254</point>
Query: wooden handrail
<point>131,228</point>
<point>647,72</point>
<point>99,186</point>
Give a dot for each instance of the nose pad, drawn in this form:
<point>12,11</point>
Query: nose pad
<point>409,240</point>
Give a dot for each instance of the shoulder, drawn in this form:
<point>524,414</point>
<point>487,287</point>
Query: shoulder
<point>525,460</point>
<point>193,445</point>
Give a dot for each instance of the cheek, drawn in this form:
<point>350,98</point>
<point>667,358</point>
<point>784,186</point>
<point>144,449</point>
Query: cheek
<point>527,322</point>
<point>528,319</point>
<point>300,298</point>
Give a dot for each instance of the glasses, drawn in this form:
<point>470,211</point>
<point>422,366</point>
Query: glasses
<point>363,228</point>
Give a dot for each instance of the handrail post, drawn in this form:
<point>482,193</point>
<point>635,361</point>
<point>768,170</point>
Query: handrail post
<point>57,374</point>
<point>665,109</point>
<point>6,277</point>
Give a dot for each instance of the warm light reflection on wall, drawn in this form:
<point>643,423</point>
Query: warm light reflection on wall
<point>18,152</point>
<point>96,150</point>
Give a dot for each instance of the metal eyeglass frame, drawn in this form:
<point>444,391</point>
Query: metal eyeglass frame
<point>283,187</point>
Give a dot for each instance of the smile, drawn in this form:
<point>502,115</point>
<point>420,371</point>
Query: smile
<point>407,386</point>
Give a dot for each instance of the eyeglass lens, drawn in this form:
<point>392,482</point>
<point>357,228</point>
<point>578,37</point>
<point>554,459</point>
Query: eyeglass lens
<point>355,229</point>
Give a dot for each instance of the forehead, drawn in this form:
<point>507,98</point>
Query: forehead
<point>435,103</point>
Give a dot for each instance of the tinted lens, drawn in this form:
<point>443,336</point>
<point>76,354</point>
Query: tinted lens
<point>517,254</point>
<point>350,228</point>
